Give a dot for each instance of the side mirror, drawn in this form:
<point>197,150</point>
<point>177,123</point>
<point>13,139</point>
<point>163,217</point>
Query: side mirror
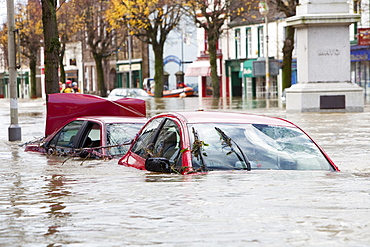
<point>158,164</point>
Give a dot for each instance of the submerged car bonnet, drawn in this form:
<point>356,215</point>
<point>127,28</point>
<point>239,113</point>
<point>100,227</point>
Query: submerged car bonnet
<point>62,107</point>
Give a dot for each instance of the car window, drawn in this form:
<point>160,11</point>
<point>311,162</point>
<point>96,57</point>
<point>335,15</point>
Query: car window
<point>118,92</point>
<point>141,92</point>
<point>119,133</point>
<point>123,93</point>
<point>167,144</point>
<point>131,94</point>
<point>232,146</point>
<point>67,135</point>
<point>93,137</point>
<point>144,144</point>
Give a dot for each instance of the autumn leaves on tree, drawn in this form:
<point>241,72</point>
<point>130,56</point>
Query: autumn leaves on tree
<point>104,26</point>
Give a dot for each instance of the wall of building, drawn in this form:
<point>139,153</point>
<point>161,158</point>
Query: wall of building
<point>73,63</point>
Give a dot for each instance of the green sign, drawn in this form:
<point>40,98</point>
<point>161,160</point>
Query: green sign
<point>248,68</point>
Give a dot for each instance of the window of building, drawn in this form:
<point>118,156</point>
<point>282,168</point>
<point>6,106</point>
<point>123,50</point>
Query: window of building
<point>248,43</point>
<point>238,46</point>
<point>261,42</point>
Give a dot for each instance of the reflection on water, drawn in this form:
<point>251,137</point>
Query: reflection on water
<point>52,201</point>
<point>55,193</point>
<point>155,106</point>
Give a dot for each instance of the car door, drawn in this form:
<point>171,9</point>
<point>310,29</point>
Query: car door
<point>159,138</point>
<point>167,143</point>
<point>140,149</point>
<point>74,135</point>
<point>64,140</point>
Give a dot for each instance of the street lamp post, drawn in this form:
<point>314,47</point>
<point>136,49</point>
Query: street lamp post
<point>264,10</point>
<point>129,58</point>
<point>14,130</point>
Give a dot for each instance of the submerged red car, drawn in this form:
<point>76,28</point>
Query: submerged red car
<point>87,125</point>
<point>198,142</point>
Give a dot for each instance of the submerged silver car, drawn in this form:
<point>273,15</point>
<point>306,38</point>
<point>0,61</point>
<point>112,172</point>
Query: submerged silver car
<point>128,93</point>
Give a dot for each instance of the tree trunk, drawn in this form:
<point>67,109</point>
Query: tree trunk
<point>158,76</point>
<point>100,75</point>
<point>33,64</point>
<point>52,46</point>
<point>212,40</point>
<point>287,57</point>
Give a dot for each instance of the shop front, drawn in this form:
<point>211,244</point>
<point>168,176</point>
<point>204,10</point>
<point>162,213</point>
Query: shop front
<point>249,81</point>
<point>248,78</point>
<point>125,69</point>
<point>4,80</point>
<point>22,83</point>
<point>235,81</point>
<point>360,67</point>
<point>72,75</point>
<point>201,68</point>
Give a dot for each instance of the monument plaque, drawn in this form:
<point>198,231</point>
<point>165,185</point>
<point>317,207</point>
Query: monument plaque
<point>323,59</point>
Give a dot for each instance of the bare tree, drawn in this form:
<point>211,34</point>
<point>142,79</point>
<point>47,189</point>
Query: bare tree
<point>4,44</point>
<point>99,35</point>
<point>69,24</point>
<point>288,7</point>
<point>29,27</point>
<point>52,45</point>
<point>212,17</point>
<point>150,21</point>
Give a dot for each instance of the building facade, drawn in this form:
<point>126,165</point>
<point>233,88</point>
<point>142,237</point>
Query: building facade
<point>360,47</point>
<point>245,66</point>
<point>240,53</point>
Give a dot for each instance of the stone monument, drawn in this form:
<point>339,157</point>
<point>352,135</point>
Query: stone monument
<point>323,59</point>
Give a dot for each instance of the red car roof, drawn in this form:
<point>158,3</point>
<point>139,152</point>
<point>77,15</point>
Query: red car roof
<point>117,119</point>
<point>229,117</point>
<point>62,107</point>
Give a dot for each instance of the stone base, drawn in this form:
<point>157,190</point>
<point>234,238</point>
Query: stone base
<point>325,97</point>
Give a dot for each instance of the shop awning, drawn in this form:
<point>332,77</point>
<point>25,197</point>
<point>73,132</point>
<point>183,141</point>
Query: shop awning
<point>360,53</point>
<point>198,68</point>
<point>256,68</point>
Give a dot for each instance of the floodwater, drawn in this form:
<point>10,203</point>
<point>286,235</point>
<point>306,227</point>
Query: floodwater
<point>51,201</point>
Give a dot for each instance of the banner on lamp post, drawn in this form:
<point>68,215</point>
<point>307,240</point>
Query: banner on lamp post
<point>263,8</point>
<point>363,36</point>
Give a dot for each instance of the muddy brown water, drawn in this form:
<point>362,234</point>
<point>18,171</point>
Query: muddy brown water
<point>48,201</point>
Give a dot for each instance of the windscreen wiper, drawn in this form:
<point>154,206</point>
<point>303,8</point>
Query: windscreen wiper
<point>228,141</point>
<point>197,150</point>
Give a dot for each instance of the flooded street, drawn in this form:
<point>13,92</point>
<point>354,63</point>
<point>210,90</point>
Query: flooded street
<point>51,201</point>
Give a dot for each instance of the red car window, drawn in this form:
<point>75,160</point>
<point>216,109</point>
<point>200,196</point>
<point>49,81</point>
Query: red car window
<point>144,141</point>
<point>67,136</point>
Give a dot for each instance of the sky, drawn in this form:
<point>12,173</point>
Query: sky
<point>3,9</point>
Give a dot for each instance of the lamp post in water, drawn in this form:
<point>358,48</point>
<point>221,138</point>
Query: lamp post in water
<point>129,57</point>
<point>14,130</point>
<point>264,10</point>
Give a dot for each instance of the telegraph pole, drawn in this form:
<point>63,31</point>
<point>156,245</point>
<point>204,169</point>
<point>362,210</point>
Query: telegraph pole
<point>264,10</point>
<point>14,130</point>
